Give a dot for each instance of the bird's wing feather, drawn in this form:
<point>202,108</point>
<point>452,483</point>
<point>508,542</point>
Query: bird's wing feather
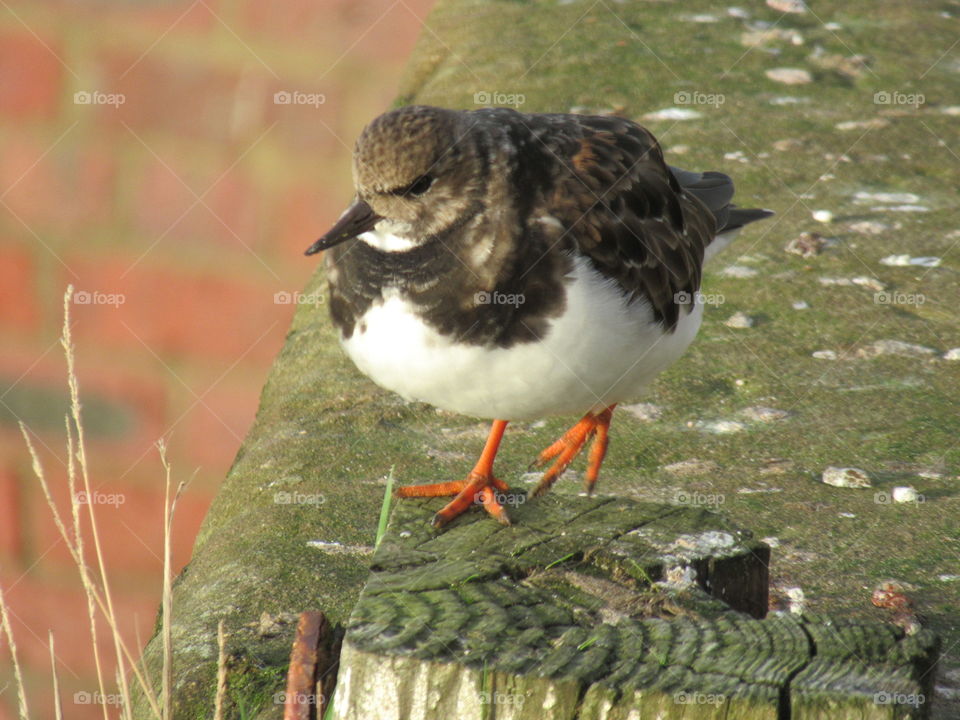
<point>629,213</point>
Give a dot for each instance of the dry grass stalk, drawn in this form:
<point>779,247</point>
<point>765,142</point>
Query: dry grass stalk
<point>57,703</point>
<point>67,342</point>
<point>18,676</point>
<point>169,507</point>
<point>97,588</point>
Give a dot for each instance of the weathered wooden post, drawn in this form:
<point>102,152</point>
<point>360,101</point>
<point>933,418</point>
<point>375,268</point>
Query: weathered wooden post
<point>565,615</point>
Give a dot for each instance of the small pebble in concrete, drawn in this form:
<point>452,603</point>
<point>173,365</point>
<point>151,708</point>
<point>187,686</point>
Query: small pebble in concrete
<point>797,600</point>
<point>797,7</point>
<point>806,245</point>
<point>846,477</point>
<point>904,494</point>
<point>739,320</point>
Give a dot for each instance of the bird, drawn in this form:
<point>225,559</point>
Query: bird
<point>511,266</point>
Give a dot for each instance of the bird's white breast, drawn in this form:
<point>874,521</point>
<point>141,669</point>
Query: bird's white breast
<point>600,350</point>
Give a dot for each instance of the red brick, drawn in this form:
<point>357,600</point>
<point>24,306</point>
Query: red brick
<point>37,173</point>
<point>129,521</point>
<point>11,528</point>
<point>300,215</point>
<point>227,213</point>
<point>181,97</point>
<point>93,183</point>
<point>172,17</point>
<point>40,603</point>
<point>379,29</point>
<point>19,306</point>
<point>214,429</point>
<point>179,16</point>
<point>142,395</point>
<point>324,128</point>
<point>178,312</point>
<point>31,76</point>
<point>32,189</point>
<point>162,196</point>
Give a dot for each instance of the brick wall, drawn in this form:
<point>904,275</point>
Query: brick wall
<point>145,159</point>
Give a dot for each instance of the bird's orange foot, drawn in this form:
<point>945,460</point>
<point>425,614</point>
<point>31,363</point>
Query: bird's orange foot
<point>479,487</point>
<point>564,450</point>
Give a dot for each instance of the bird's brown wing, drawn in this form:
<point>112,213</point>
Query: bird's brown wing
<point>628,213</point>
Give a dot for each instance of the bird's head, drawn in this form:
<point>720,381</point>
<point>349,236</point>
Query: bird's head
<point>417,171</point>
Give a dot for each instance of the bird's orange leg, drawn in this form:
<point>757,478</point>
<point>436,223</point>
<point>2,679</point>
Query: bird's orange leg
<point>479,487</point>
<point>564,450</point>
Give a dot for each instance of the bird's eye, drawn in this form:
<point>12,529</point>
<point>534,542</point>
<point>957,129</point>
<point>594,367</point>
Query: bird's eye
<point>419,186</point>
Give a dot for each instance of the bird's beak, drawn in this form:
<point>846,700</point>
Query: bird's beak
<point>356,220</point>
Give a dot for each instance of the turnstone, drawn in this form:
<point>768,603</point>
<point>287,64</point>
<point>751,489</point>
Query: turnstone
<point>509,266</point>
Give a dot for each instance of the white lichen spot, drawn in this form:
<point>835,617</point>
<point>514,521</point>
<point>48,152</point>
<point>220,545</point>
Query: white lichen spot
<point>790,76</point>
<point>674,113</point>
<point>739,271</point>
<point>907,260</point>
<point>759,413</point>
<point>895,347</point>
<point>720,427</point>
<point>647,412</point>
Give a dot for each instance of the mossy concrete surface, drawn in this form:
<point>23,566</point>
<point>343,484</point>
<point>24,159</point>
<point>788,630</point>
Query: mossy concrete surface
<point>872,140</point>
